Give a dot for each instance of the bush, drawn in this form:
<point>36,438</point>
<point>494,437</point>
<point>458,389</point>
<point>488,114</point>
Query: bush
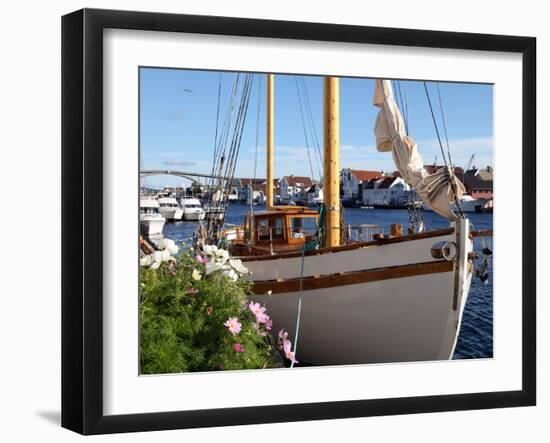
<point>195,315</point>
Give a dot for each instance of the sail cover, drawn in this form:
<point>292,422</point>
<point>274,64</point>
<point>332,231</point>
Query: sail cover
<point>436,190</point>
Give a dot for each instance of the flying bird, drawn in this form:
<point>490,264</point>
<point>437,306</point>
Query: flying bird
<point>188,90</point>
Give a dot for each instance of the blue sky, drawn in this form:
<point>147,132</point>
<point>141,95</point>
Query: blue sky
<point>178,123</point>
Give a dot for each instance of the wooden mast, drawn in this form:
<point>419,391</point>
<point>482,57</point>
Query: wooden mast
<point>269,142</point>
<point>331,174</point>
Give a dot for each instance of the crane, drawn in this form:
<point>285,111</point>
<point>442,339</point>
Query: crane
<point>470,162</point>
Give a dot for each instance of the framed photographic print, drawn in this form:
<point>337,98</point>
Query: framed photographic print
<point>254,209</point>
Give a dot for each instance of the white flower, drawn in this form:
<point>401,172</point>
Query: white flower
<point>167,243</point>
<point>158,256</point>
<point>238,266</point>
<point>222,255</point>
<point>155,265</point>
<point>231,274</point>
<point>172,247</point>
<point>213,266</point>
<point>196,275</point>
<point>166,255</point>
<point>146,260</point>
<point>269,292</point>
<point>210,249</point>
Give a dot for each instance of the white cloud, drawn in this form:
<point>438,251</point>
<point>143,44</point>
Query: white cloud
<point>176,162</point>
<point>461,150</point>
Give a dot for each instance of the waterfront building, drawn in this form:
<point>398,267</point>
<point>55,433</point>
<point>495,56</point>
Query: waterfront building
<point>314,195</point>
<point>479,183</point>
<point>295,188</point>
<point>386,191</point>
<point>254,188</point>
<point>351,181</point>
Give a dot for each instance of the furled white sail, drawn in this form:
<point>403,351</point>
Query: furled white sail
<point>436,189</point>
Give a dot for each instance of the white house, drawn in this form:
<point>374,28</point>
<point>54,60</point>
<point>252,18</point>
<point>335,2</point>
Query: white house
<point>295,188</point>
<point>386,191</point>
<point>246,185</point>
<point>255,185</point>
<point>351,181</point>
<point>314,195</point>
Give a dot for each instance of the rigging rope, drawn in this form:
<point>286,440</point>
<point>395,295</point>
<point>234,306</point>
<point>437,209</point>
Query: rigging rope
<point>405,119</point>
<point>227,153</point>
<point>453,188</point>
<point>217,118</point>
<point>310,246</point>
<point>444,124</point>
<point>304,126</point>
<point>312,127</point>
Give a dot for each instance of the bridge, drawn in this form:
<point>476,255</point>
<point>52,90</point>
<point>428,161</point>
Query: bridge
<point>191,176</point>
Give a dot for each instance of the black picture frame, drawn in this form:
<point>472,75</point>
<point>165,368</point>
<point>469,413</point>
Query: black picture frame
<point>82,190</point>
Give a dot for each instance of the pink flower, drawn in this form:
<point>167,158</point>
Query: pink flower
<point>268,323</point>
<point>261,333</point>
<point>201,259</point>
<point>285,345</point>
<point>290,356</point>
<point>238,347</point>
<point>259,312</point>
<point>233,325</point>
<point>256,309</point>
<point>288,353</point>
<point>192,291</point>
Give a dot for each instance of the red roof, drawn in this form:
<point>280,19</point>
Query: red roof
<point>387,182</point>
<point>302,182</point>
<point>364,176</point>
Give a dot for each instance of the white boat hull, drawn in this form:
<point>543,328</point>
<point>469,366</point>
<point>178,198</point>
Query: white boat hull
<point>171,214</point>
<point>193,215</point>
<point>393,315</point>
<point>468,205</point>
<point>369,257</point>
<point>471,205</point>
<point>394,320</point>
<point>151,225</point>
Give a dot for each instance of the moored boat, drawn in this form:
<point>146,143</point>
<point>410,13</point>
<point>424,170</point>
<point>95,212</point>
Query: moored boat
<point>191,209</point>
<point>391,298</point>
<point>170,209</point>
<point>468,204</point>
<point>151,221</point>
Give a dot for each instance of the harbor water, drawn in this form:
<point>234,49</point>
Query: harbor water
<point>476,334</point>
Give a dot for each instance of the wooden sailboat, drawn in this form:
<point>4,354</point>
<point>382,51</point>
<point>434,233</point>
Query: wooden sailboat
<point>389,299</point>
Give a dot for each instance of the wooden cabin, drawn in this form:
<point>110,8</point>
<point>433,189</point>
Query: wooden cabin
<point>281,229</point>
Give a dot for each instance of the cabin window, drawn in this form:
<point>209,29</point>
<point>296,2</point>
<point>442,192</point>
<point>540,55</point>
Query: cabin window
<point>270,228</point>
<point>303,226</point>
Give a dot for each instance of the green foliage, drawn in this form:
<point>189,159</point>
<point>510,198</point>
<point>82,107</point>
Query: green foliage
<point>182,322</point>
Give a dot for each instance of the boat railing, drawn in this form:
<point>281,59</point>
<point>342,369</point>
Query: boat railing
<point>364,232</point>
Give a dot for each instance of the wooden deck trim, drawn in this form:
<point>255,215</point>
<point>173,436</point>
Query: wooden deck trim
<point>349,247</point>
<point>352,278</point>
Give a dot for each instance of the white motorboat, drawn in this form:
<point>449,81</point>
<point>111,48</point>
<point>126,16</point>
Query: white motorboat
<point>170,209</point>
<point>467,204</point>
<point>192,209</point>
<point>470,204</point>
<point>151,221</point>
